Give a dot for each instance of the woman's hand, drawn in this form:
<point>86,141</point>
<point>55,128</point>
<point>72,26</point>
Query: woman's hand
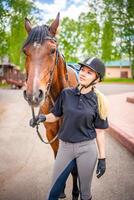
<point>101,167</point>
<point>37,120</point>
<point>43,118</point>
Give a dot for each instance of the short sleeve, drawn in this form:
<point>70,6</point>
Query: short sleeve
<point>100,123</point>
<point>57,110</point>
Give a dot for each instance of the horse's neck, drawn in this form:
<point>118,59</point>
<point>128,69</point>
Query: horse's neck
<point>60,78</point>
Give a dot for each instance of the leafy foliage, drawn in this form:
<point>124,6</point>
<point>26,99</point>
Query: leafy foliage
<point>12,32</point>
<point>122,24</point>
<point>69,39</point>
<point>106,31</point>
<point>89,33</point>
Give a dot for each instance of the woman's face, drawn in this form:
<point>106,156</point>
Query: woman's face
<point>86,76</point>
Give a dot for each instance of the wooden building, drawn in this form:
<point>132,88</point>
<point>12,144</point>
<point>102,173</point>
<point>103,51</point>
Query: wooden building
<point>11,75</point>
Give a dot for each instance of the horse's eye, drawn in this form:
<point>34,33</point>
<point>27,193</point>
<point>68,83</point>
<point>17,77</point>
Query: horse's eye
<point>52,51</point>
<point>24,51</point>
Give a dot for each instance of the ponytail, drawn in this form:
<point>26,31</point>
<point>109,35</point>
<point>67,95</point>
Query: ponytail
<point>102,104</point>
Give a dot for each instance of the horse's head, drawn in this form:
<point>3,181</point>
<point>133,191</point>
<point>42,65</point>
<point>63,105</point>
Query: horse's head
<point>41,53</point>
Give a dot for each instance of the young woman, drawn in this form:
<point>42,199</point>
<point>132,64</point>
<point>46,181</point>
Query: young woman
<point>77,135</point>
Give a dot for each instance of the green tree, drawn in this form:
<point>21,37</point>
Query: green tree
<point>127,29</point>
<point>12,28</point>
<point>89,34</point>
<point>3,36</point>
<point>69,39</point>
<point>123,26</point>
<point>107,39</point>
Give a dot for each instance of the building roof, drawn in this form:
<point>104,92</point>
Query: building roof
<point>8,65</point>
<point>118,63</point>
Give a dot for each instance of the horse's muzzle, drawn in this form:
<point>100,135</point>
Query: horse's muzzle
<point>34,100</point>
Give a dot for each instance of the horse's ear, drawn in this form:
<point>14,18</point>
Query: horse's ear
<point>28,25</point>
<point>54,25</point>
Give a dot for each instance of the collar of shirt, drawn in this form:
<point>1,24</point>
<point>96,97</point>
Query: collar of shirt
<point>87,95</point>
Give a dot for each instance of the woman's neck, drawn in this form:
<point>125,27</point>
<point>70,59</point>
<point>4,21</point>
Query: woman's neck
<point>84,90</point>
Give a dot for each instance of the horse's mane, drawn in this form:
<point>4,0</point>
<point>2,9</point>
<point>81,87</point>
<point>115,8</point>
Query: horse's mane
<point>37,34</point>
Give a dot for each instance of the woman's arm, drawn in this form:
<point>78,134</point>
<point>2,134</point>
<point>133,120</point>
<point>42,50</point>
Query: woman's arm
<point>51,118</point>
<point>100,138</point>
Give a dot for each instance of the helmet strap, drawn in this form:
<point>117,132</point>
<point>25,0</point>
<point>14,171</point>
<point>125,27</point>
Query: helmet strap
<point>91,84</point>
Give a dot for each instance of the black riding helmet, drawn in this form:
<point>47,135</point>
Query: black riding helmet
<point>96,65</point>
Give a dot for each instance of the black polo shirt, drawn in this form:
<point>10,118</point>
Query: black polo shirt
<point>80,115</point>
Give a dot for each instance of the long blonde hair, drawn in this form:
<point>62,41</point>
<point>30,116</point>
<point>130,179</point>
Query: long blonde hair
<point>103,104</point>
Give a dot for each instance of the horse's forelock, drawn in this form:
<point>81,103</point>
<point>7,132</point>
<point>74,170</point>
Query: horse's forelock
<point>37,34</point>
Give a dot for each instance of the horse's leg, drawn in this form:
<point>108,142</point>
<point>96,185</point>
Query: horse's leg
<point>51,131</point>
<point>75,191</point>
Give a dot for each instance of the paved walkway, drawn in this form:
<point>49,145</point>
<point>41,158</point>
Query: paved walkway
<point>121,119</point>
<point>26,163</point>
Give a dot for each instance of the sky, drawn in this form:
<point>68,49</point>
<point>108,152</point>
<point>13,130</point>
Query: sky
<point>67,8</point>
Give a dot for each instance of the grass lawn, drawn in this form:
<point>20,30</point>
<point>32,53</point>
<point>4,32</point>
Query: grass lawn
<point>118,80</point>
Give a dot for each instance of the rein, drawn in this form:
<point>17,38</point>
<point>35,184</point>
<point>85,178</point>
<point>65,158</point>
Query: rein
<point>37,130</point>
<point>46,96</point>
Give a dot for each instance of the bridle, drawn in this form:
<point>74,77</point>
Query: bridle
<point>47,92</point>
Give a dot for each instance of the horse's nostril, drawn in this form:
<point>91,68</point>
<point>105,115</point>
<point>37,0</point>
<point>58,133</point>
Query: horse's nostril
<point>25,95</point>
<point>41,94</point>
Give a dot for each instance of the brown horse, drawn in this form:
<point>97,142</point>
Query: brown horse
<point>47,75</point>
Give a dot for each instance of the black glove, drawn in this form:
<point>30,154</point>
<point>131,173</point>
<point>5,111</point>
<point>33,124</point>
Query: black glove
<point>101,167</point>
<point>37,120</point>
